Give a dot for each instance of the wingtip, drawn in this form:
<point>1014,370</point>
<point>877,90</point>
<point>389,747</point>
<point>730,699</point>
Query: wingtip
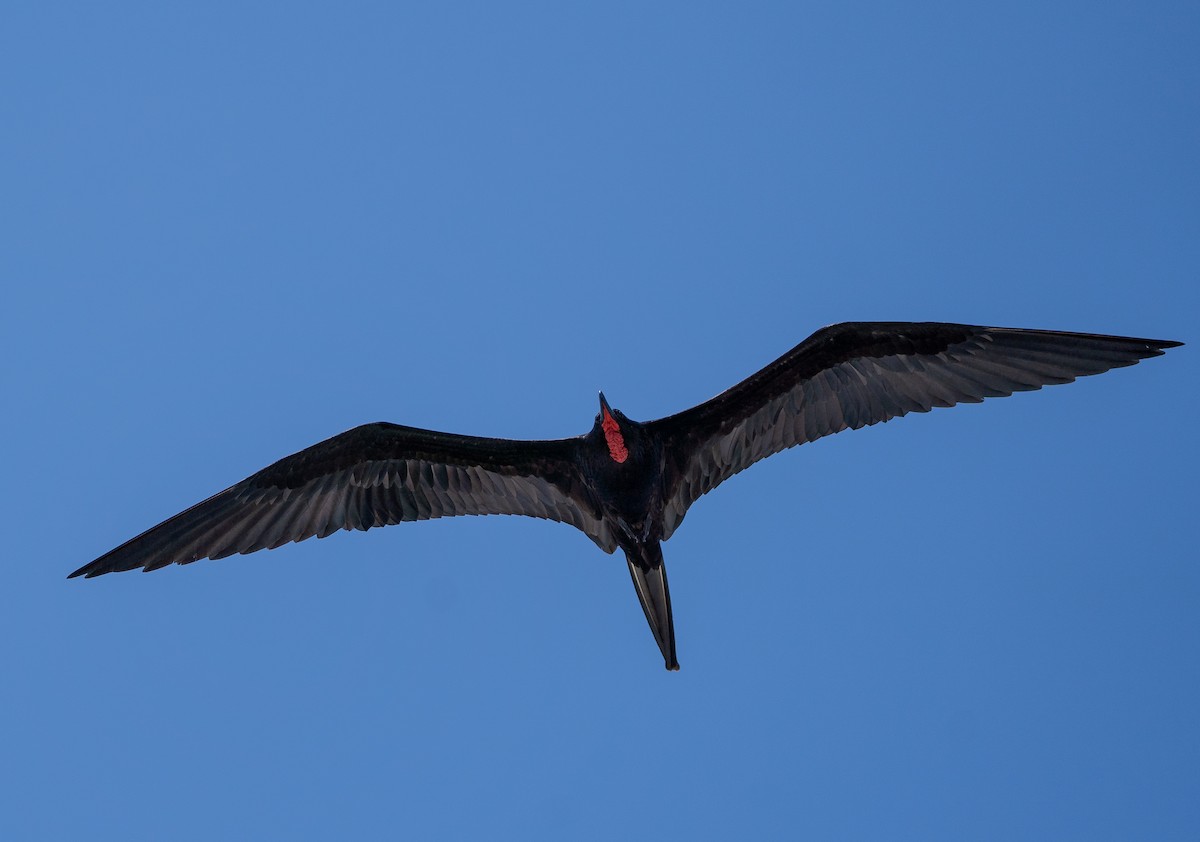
<point>1156,346</point>
<point>90,571</point>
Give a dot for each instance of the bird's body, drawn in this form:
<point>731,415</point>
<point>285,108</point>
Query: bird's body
<point>625,484</point>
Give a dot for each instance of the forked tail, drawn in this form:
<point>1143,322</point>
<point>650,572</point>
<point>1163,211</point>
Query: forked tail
<point>650,580</point>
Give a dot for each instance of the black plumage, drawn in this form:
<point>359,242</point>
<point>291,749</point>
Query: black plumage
<point>625,484</point>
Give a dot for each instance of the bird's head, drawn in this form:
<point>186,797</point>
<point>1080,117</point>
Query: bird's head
<point>612,424</point>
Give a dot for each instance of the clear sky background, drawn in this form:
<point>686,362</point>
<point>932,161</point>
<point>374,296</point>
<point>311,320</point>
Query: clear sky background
<point>230,230</point>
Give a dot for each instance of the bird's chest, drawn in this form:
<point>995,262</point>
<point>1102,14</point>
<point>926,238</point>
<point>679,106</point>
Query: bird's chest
<point>631,489</point>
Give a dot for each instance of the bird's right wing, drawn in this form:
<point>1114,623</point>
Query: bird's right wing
<point>373,475</point>
<point>855,374</point>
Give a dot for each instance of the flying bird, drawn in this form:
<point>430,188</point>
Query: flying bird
<point>625,483</point>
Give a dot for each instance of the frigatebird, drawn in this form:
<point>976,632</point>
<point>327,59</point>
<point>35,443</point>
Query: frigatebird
<point>625,483</point>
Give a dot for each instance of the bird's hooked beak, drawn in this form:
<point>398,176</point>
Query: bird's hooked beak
<point>605,411</point>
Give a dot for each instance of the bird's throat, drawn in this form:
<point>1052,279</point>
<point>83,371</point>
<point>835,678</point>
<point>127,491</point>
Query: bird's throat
<point>616,442</point>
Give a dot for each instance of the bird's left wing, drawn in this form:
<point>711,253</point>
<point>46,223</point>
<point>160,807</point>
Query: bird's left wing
<point>851,375</point>
<point>373,475</point>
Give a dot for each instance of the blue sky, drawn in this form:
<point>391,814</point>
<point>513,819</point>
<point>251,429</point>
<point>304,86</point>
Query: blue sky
<point>231,230</point>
